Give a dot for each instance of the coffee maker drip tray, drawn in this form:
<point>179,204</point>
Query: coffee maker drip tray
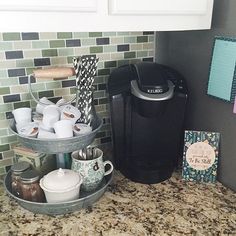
<point>143,172</point>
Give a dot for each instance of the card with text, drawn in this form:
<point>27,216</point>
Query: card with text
<point>200,156</point>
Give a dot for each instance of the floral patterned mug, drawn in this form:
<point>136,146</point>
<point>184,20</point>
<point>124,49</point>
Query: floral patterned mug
<point>93,170</point>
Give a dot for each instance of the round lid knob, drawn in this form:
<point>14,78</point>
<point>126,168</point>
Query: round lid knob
<point>61,180</point>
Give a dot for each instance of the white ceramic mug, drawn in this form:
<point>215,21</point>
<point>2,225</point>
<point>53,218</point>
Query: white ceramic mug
<point>51,114</point>
<point>63,129</point>
<point>92,171</point>
<point>22,115</point>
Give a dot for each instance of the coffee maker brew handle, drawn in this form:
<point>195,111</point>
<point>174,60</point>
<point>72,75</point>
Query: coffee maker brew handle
<point>111,167</point>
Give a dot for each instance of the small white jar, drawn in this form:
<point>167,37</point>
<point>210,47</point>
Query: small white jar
<point>61,185</point>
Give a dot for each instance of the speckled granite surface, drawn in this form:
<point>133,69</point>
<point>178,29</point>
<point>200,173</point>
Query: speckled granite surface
<point>173,207</point>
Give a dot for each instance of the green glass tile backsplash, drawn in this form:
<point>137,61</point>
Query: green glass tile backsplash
<point>21,53</point>
<point>11,36</point>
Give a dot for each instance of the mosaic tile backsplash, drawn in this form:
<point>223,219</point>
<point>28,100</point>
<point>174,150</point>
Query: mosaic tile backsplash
<point>21,53</point>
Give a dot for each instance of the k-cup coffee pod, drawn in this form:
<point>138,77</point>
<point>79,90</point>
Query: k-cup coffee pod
<point>29,130</point>
<point>40,108</point>
<point>51,115</point>
<point>71,113</point>
<point>81,128</point>
<point>63,129</point>
<point>44,134</point>
<point>22,115</point>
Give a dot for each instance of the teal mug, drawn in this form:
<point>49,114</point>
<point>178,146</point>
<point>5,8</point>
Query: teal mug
<point>92,170</point>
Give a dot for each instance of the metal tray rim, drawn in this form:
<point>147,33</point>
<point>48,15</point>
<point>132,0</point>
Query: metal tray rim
<point>101,190</point>
<point>60,145</point>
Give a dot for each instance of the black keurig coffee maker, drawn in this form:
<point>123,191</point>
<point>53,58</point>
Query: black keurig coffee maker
<point>147,114</point>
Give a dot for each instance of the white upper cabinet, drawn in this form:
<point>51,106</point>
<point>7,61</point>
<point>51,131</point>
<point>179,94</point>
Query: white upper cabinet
<point>105,15</point>
<point>158,7</point>
<point>49,5</point>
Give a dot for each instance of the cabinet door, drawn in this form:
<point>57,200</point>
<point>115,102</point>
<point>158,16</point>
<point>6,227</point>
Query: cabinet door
<point>49,5</point>
<point>104,15</point>
<point>157,7</point>
<point>162,15</point>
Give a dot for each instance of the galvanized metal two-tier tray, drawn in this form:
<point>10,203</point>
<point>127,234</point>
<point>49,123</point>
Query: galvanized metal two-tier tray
<point>59,146</point>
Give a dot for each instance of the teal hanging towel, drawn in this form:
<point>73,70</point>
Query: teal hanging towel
<point>222,74</point>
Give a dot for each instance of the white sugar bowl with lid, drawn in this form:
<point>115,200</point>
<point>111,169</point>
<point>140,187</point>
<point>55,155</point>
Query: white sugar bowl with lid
<point>61,185</point>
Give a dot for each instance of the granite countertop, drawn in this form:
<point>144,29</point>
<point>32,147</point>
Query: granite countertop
<point>173,207</point>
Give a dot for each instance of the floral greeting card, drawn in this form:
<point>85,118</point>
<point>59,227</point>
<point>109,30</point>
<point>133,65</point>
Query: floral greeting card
<point>200,157</point>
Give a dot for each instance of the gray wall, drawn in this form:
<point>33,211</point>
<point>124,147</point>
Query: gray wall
<point>190,53</point>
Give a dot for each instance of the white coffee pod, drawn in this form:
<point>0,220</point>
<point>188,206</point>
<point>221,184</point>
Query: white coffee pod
<point>40,108</point>
<point>22,115</point>
<point>37,117</point>
<point>81,128</point>
<point>49,129</point>
<point>61,102</point>
<point>70,112</point>
<point>29,130</point>
<point>43,134</point>
<point>63,129</point>
<point>51,114</point>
